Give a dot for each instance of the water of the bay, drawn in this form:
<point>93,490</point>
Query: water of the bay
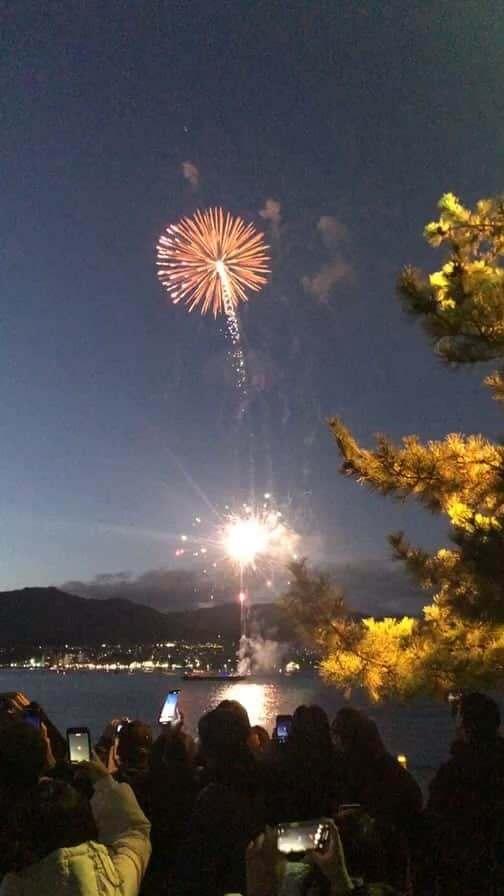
<point>422,730</point>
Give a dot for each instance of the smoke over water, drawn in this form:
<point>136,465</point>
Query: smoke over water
<point>258,654</point>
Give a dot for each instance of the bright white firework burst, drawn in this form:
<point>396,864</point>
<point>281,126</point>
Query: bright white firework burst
<point>256,539</point>
<point>253,535</point>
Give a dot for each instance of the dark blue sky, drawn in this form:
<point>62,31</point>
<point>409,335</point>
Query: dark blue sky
<point>359,114</point>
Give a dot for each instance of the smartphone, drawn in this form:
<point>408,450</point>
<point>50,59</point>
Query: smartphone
<point>169,711</point>
<point>283,728</point>
<point>348,809</point>
<point>32,715</point>
<point>79,744</point>
<point>299,837</point>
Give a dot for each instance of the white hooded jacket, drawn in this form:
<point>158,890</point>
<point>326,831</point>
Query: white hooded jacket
<point>113,867</point>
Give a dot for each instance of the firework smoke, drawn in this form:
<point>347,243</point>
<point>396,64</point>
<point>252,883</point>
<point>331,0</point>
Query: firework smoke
<point>257,655</point>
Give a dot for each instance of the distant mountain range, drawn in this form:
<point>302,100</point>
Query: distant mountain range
<point>49,617</point>
<point>129,611</point>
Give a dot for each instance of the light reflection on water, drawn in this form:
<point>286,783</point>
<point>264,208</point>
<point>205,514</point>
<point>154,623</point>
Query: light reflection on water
<point>260,700</point>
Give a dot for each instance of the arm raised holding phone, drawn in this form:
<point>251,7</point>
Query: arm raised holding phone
<point>66,844</point>
<point>268,867</point>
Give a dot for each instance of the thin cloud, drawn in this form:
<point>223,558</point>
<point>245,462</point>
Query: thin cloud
<point>191,174</point>
<point>338,268</point>
<point>322,284</point>
<point>272,212</point>
<point>163,589</point>
<point>333,233</point>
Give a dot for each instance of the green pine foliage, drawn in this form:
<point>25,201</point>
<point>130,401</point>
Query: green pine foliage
<point>460,640</point>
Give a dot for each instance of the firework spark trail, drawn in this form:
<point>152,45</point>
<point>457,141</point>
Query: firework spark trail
<point>238,360</point>
<point>233,328</point>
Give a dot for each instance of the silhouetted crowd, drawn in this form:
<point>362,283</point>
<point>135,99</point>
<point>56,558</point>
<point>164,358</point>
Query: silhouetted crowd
<point>181,817</point>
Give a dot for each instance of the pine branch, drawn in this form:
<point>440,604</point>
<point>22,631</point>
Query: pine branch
<point>466,468</point>
<point>496,383</point>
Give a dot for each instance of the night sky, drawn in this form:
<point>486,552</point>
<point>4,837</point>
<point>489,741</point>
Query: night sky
<point>119,414</point>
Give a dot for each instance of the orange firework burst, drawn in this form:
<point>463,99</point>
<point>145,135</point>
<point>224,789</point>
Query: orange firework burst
<point>211,260</point>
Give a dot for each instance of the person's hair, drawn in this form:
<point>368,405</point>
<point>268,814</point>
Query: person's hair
<point>53,815</point>
<point>358,733</point>
<point>224,728</point>
<point>309,745</point>
<point>310,725</point>
<point>262,735</point>
<point>173,748</point>
<point>480,717</point>
<point>224,734</point>
<point>134,743</point>
<point>23,755</point>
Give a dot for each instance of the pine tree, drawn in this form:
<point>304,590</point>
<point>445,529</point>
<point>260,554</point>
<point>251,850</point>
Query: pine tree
<point>460,641</point>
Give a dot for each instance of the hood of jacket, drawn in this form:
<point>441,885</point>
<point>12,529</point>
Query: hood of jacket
<point>84,870</point>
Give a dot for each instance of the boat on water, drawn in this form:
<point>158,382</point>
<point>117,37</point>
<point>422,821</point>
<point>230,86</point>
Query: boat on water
<point>195,675</point>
